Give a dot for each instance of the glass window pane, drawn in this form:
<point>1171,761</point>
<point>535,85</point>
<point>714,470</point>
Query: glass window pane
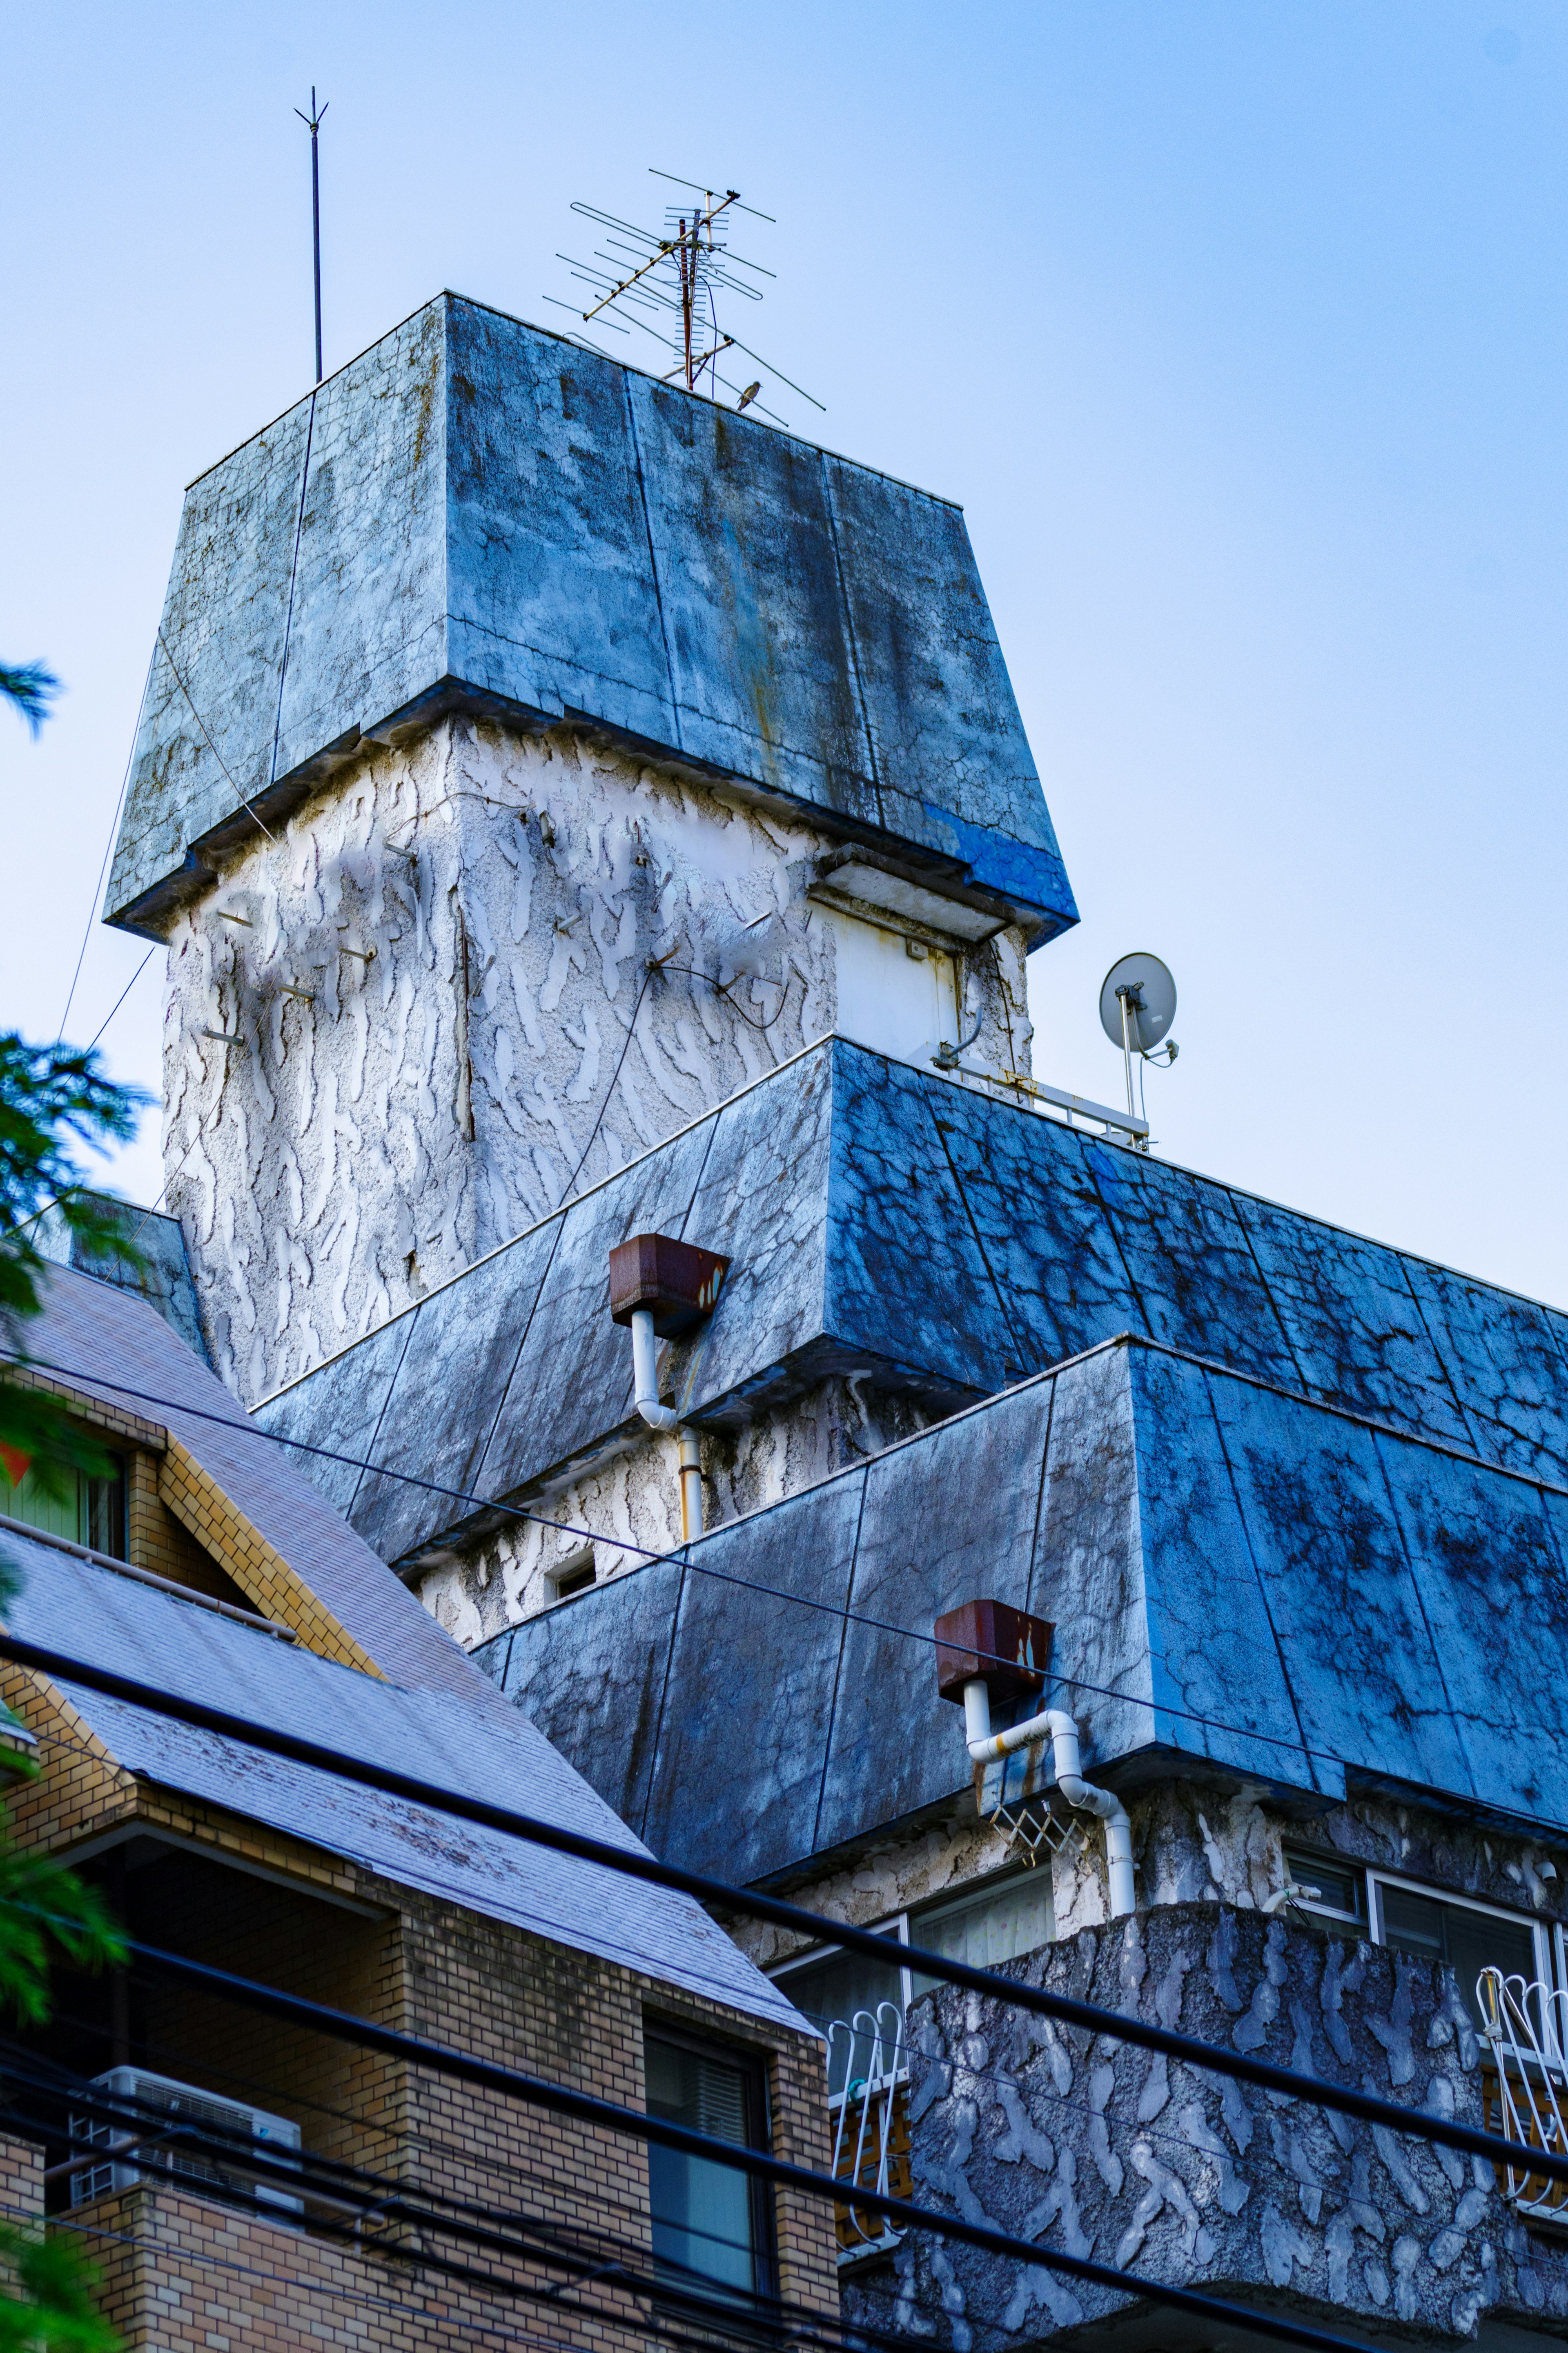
<point>1412,1924</point>
<point>702,2211</point>
<point>996,1925</point>
<point>1468,1941</point>
<point>858,2004</point>
<point>1340,1886</point>
<point>1477,1942</point>
<point>99,1517</point>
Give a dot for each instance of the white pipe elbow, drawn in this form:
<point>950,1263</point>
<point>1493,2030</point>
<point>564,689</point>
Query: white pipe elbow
<point>645,1372</point>
<point>1054,1725</point>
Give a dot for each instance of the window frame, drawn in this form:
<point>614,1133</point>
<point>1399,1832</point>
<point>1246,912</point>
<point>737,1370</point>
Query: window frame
<point>1551,1946</point>
<point>752,2066</point>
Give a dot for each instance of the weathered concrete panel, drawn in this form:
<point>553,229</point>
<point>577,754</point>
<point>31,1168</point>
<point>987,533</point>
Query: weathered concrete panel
<point>343,1413</point>
<point>496,520</point>
<point>751,1690</point>
<point>1490,1578</point>
<point>453,1377</point>
<point>946,1518</point>
<point>905,1276</point>
<point>592,1675</point>
<point>1502,1356</point>
<point>745,558</point>
<point>1355,1328</point>
<point>1366,1678</point>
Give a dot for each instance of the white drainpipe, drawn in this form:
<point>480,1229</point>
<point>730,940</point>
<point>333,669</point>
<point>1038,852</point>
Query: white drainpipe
<point>645,1372</point>
<point>987,1747</point>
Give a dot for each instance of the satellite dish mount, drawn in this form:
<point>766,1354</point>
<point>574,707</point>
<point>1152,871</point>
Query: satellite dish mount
<point>1137,1006</point>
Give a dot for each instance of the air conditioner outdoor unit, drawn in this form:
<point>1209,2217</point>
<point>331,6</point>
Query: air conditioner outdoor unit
<point>162,2095</point>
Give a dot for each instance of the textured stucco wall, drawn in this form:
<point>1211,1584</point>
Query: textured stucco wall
<point>632,1506</point>
<point>394,1118</point>
<point>1085,2143</point>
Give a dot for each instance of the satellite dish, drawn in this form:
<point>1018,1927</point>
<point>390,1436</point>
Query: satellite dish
<point>1143,986</point>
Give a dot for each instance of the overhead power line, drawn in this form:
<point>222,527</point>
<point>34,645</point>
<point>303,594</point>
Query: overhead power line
<point>586,2108</point>
<point>1367,2107</point>
<point>684,1558</point>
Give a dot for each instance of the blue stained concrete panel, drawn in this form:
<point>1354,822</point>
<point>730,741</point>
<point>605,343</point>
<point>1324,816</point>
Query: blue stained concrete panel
<point>593,1675</point>
<point>906,1275</point>
<point>1354,1325</point>
<point>1192,1273</point>
<point>1343,1600</point>
<point>574,1367</point>
<point>1494,1596</point>
<point>946,1518</point>
<point>1511,1371</point>
<point>751,1688</point>
<point>462,1350</point>
<point>1344,1609</point>
<point>477,514</point>
<point>344,1418</point>
<point>1143,1531</point>
<point>887,1224</point>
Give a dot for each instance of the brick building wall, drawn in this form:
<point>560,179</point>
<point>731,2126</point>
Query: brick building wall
<point>182,2271</point>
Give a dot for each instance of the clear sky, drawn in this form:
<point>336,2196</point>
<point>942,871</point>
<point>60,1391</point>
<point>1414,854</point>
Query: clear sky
<point>1236,325</point>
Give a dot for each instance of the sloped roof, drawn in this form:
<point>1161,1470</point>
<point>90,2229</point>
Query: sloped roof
<point>108,1344</point>
<point>112,1621</point>
<point>1243,1584</point>
<point>881,1220</point>
<point>477,514</point>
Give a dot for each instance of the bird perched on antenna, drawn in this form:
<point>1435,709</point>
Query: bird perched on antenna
<point>750,393</point>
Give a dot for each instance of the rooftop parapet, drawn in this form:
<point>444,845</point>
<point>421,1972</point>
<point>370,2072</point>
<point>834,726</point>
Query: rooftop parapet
<point>477,515</point>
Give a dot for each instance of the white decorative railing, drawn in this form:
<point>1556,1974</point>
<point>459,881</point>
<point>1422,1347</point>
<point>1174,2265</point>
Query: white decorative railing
<point>1526,2028</point>
<point>867,2057</point>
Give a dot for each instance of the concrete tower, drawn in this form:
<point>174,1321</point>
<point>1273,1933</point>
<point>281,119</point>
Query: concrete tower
<point>535,755</point>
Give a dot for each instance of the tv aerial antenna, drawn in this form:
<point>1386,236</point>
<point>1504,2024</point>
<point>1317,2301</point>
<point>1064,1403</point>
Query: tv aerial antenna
<point>670,283</point>
<point>1137,1006</point>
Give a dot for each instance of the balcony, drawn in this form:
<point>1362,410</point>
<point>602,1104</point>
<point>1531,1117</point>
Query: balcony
<point>1086,2144</point>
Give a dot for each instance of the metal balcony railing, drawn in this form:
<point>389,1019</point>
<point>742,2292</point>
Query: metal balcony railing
<point>1525,2089</point>
<point>868,2059</point>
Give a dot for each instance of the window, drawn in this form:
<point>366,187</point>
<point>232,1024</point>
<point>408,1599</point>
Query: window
<point>88,1512</point>
<point>574,1575</point>
<point>994,1924</point>
<point>1339,1888</point>
<point>1467,1938</point>
<point>709,2221</point>
<point>851,1990</point>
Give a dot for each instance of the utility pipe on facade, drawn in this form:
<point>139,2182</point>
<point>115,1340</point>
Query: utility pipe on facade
<point>987,1747</point>
<point>663,1288</point>
<point>645,1375</point>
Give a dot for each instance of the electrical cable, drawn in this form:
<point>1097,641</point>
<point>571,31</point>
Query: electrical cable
<point>682,1558</point>
<point>609,1091</point>
<point>585,2107</point>
<point>122,996</point>
<point>1364,2106</point>
<point>722,989</point>
<point>108,851</point>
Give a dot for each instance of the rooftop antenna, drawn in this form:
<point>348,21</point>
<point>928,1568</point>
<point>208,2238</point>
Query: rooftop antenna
<point>313,122</point>
<point>668,282</point>
<point>1137,1006</point>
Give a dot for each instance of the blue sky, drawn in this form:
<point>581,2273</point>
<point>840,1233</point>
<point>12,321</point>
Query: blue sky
<point>1238,329</point>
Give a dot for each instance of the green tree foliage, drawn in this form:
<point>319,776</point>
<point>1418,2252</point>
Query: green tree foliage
<point>53,1100</point>
<point>29,688</point>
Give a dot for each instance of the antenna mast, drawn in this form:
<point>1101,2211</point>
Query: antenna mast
<point>313,122</point>
<point>681,272</point>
